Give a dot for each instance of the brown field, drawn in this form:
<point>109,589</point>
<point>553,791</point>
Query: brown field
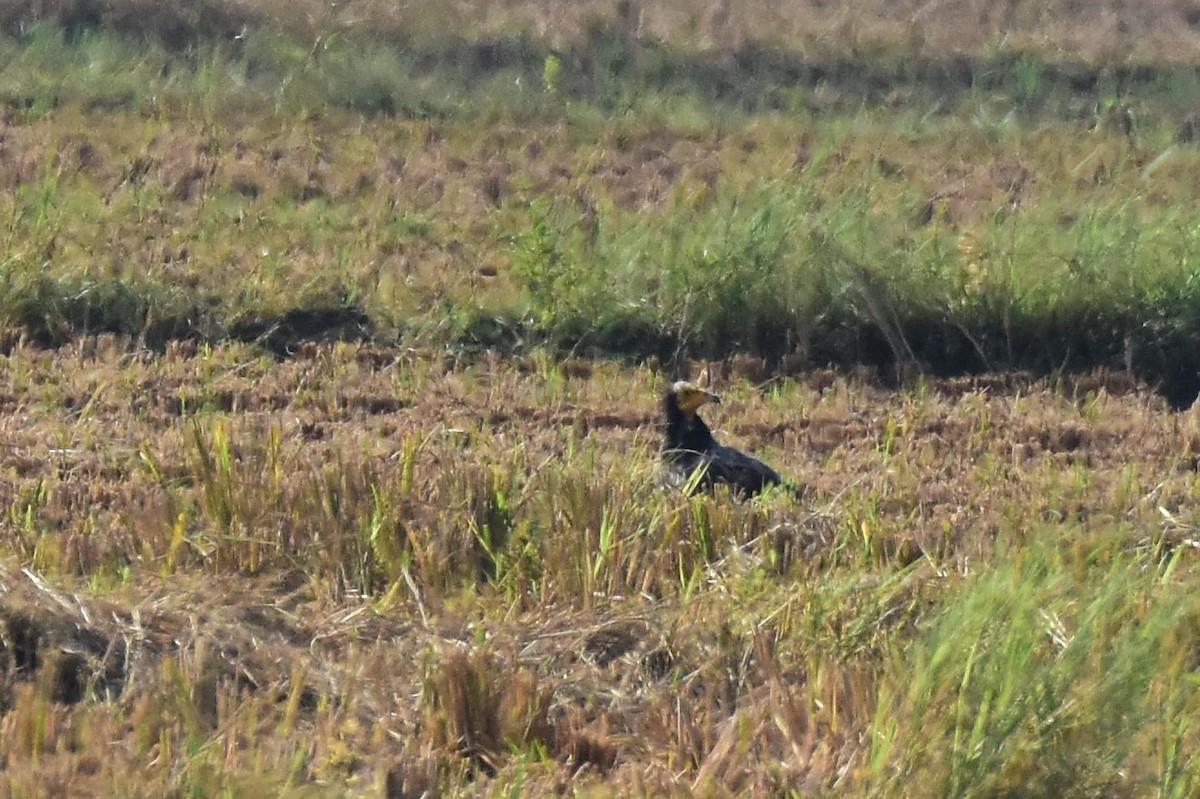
<point>295,502</point>
<point>197,538</point>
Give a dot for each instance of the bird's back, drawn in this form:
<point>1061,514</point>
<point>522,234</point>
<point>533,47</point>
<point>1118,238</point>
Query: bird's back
<point>745,474</point>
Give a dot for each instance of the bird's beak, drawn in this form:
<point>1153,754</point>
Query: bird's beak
<point>713,398</point>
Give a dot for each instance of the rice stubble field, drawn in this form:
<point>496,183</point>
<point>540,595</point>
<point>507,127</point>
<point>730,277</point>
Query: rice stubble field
<point>333,345</point>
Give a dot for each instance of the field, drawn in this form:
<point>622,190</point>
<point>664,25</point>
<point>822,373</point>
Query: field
<point>332,342</point>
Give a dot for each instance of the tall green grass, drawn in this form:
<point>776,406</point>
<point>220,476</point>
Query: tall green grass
<point>784,268</point>
<point>1048,675</point>
<point>828,261</point>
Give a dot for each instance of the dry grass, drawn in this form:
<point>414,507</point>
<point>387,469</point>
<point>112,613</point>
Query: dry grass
<point>355,568</point>
<point>315,517</point>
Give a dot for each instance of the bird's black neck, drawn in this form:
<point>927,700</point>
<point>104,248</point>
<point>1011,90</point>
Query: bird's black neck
<point>684,431</point>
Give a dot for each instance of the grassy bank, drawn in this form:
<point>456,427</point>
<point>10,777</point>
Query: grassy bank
<point>956,243</point>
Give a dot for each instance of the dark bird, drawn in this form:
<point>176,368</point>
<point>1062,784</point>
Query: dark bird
<point>694,460</point>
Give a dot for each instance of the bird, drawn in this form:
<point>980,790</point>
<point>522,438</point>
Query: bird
<point>695,461</point>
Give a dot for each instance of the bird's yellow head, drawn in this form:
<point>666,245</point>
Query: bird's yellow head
<point>689,397</point>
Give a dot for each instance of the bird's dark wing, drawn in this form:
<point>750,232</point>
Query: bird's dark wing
<point>679,466</point>
<point>745,475</point>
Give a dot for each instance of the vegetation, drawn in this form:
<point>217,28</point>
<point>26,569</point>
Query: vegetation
<point>333,341</point>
